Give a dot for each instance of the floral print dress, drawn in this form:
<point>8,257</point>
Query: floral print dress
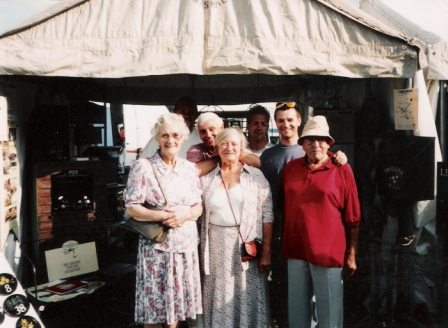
<point>167,275</point>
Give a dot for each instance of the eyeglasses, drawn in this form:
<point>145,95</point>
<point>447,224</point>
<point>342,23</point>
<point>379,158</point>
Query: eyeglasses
<point>311,140</point>
<point>175,136</point>
<point>287,104</point>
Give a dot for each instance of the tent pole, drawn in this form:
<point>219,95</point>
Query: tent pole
<point>442,118</point>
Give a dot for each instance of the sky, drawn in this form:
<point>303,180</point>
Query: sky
<point>13,12</point>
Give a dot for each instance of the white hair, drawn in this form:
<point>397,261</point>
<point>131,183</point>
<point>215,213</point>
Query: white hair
<point>232,132</point>
<point>171,119</point>
<point>209,117</point>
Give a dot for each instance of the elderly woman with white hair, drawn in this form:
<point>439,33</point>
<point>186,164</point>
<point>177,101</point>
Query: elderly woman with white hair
<point>168,285</point>
<point>237,208</point>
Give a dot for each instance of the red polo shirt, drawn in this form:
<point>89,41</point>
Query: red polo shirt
<point>318,205</point>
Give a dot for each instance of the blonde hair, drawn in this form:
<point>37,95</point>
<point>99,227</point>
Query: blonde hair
<point>232,132</point>
<point>171,119</point>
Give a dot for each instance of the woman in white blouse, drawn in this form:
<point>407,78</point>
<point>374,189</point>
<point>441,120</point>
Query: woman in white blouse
<point>235,292</point>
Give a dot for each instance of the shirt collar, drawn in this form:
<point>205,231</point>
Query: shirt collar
<point>163,167</point>
<point>325,166</point>
<point>217,169</point>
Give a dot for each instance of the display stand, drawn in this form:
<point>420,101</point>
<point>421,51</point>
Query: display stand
<point>110,305</point>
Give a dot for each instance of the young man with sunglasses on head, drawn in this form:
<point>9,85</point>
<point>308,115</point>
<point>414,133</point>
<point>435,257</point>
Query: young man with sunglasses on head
<point>288,119</point>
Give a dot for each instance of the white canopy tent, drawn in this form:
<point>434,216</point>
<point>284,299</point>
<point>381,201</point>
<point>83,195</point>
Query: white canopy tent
<point>141,51</point>
<point>128,38</point>
<point>425,20</point>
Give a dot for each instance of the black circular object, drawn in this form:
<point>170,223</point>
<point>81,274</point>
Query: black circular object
<point>16,305</point>
<point>8,284</point>
<point>27,321</point>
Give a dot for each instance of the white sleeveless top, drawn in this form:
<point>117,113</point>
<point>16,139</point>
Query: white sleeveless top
<point>220,212</point>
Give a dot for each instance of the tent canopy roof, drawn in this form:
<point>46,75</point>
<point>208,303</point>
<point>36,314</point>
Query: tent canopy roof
<point>425,20</point>
<point>129,38</point>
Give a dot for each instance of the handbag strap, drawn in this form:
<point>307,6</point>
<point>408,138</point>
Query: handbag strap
<point>231,207</point>
<point>156,174</point>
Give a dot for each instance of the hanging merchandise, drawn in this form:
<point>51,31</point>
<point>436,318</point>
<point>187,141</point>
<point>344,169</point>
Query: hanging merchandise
<point>9,177</point>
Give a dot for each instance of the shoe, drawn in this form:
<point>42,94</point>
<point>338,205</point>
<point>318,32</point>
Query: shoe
<point>407,240</point>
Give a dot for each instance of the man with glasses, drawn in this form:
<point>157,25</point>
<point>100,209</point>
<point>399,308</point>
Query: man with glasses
<point>321,224</point>
<point>288,119</point>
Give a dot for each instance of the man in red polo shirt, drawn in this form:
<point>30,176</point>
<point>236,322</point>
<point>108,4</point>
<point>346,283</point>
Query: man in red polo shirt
<point>321,220</point>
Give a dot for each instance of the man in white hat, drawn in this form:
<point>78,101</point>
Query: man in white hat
<point>287,119</point>
<point>321,223</point>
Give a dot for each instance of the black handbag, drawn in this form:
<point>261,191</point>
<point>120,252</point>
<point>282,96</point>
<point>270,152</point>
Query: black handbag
<point>152,230</point>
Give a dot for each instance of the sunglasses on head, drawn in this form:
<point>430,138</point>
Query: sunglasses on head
<point>287,104</point>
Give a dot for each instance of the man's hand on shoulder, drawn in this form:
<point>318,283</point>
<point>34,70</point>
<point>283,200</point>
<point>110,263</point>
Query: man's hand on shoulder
<point>250,159</point>
<point>339,158</point>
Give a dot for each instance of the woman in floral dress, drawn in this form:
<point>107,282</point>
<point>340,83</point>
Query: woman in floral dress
<point>235,292</point>
<point>168,285</point>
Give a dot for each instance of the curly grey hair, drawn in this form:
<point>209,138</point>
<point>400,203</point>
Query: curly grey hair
<point>171,119</point>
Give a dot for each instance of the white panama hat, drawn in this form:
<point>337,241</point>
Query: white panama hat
<point>316,126</point>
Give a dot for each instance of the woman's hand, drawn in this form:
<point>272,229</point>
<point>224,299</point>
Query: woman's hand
<point>165,215</point>
<point>178,216</point>
<point>142,213</point>
<point>265,261</point>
